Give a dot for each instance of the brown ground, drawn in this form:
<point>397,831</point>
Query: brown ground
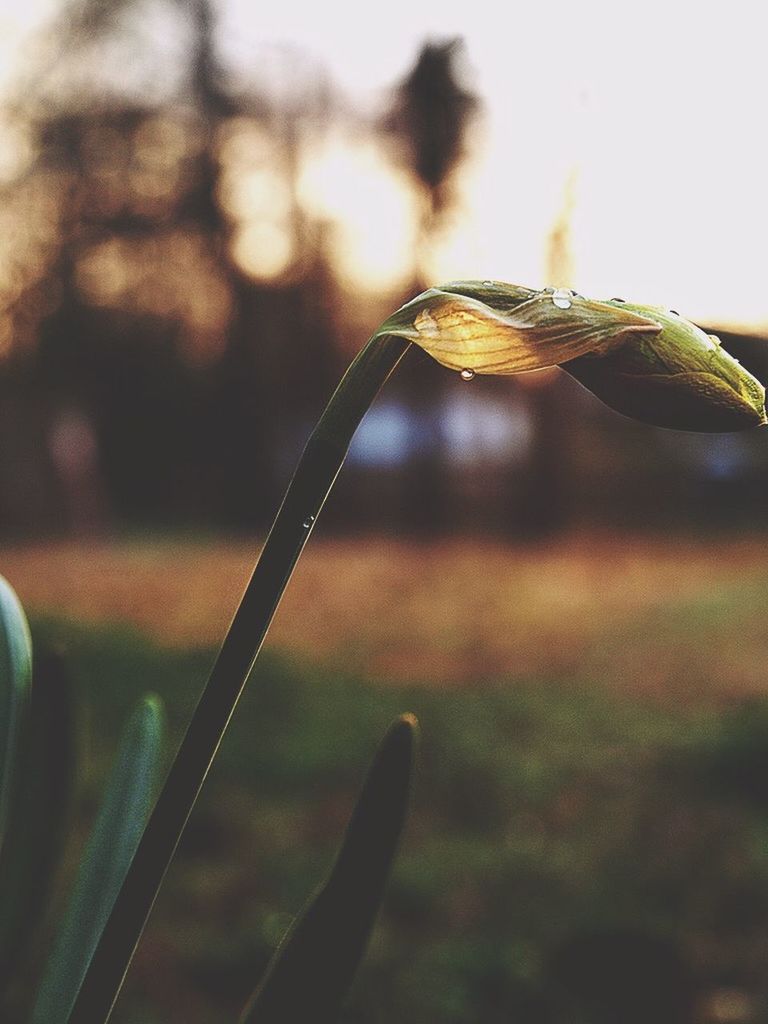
<point>638,612</point>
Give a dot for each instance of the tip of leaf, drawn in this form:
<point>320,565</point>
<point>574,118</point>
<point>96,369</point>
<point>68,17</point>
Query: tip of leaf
<point>152,704</point>
<point>401,743</point>
<point>404,730</point>
<point>408,719</point>
<point>149,718</point>
<point>15,628</point>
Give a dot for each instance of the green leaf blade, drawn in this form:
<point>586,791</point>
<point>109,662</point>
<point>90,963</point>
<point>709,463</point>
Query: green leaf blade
<point>15,689</point>
<point>314,477</point>
<point>110,848</point>
<point>315,964</point>
<point>39,810</point>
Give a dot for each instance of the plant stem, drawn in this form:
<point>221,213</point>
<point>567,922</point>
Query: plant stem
<point>315,474</point>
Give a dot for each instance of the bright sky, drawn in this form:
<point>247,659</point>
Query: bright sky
<point>655,113</point>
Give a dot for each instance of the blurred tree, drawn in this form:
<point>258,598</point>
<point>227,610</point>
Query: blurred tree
<point>172,304</point>
<point>430,114</point>
<point>154,327</point>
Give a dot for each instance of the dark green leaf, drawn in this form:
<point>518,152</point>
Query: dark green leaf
<point>313,967</point>
<point>312,481</point>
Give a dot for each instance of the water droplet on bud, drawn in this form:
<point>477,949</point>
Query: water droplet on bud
<point>488,284</point>
<point>563,298</point>
<point>467,374</point>
<point>308,522</point>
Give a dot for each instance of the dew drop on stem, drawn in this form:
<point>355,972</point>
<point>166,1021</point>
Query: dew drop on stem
<point>308,522</point>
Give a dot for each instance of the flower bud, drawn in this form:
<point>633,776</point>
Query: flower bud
<point>642,361</point>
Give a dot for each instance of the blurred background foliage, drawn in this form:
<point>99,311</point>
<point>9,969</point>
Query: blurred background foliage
<point>186,268</point>
<point>187,264</point>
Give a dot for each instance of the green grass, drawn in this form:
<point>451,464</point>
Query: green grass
<point>543,810</point>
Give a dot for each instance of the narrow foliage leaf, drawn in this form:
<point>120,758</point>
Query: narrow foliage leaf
<point>39,809</point>
<point>315,474</point>
<point>313,967</point>
<point>15,686</point>
<point>112,843</point>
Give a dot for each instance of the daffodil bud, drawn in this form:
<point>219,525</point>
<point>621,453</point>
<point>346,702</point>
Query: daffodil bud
<point>644,362</point>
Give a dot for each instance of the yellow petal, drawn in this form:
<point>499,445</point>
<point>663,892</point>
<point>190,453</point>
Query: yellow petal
<point>503,329</point>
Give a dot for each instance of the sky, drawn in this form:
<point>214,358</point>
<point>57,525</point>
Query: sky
<point>647,121</point>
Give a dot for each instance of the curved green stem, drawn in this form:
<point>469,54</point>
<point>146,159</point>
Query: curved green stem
<point>316,472</point>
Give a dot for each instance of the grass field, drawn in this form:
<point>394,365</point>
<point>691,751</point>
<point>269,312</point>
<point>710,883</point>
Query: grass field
<point>646,614</point>
<point>591,811</point>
